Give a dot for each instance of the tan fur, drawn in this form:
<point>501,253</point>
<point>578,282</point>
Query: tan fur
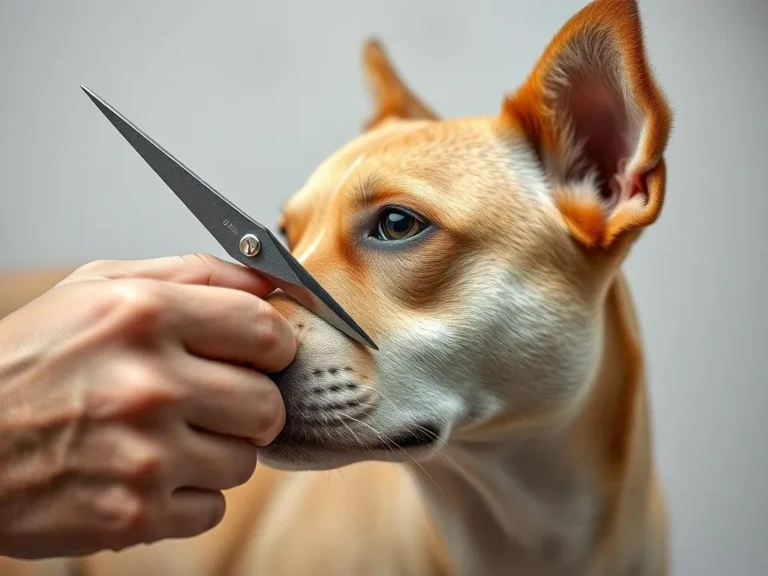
<point>19,288</point>
<point>545,463</point>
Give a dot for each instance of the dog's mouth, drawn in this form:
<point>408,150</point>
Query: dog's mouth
<point>417,437</point>
<point>334,439</point>
<point>305,447</point>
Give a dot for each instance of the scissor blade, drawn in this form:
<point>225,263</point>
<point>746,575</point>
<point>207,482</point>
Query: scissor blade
<point>207,205</point>
<point>331,314</point>
<point>310,294</point>
<point>228,224</point>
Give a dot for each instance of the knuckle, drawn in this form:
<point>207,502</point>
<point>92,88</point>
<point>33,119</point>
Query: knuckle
<point>136,374</point>
<point>96,266</point>
<point>144,464</point>
<point>141,302</point>
<point>122,511</point>
<point>126,386</point>
<point>140,387</point>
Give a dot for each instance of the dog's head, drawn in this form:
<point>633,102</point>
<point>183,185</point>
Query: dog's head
<point>476,252</point>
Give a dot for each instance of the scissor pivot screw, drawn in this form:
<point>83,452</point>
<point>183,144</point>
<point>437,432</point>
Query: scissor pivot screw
<point>250,245</point>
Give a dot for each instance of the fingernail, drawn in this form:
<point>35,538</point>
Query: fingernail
<point>273,416</point>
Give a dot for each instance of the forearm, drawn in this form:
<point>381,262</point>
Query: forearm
<point>20,288</point>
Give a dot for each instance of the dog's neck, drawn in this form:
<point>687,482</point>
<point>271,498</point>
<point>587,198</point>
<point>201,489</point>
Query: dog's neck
<point>543,498</point>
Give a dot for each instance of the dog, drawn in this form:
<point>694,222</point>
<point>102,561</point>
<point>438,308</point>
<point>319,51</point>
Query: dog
<point>504,424</point>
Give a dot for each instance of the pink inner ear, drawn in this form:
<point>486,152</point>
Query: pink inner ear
<point>600,123</point>
<point>625,186</point>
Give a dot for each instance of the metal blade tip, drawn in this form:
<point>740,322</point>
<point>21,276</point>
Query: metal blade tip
<point>361,336</point>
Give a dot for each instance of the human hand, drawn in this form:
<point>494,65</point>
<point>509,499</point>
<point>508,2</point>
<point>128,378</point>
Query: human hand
<point>131,395</point>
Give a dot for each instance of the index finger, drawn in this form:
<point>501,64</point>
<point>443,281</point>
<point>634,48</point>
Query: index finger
<point>229,326</point>
<point>199,269</point>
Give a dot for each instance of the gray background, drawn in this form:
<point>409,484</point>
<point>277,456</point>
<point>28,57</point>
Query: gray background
<point>254,94</point>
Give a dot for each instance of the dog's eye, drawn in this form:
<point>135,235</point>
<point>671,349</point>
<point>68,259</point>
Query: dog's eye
<point>398,224</point>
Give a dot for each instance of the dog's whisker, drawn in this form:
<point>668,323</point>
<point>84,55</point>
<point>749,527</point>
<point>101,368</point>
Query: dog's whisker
<point>429,432</point>
<point>355,436</point>
<point>387,442</point>
<point>441,443</point>
<point>390,443</point>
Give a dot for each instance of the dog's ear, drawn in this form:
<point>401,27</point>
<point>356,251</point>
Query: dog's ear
<point>392,98</point>
<point>599,123</point>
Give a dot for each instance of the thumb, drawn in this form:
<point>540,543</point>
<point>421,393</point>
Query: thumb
<point>201,269</point>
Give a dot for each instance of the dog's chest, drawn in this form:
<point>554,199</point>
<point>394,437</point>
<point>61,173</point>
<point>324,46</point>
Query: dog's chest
<point>479,543</point>
<point>364,519</point>
<point>525,519</point>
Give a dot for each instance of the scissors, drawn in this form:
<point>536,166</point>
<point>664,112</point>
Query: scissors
<point>243,238</point>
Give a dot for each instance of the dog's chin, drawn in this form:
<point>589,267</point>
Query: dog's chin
<point>306,450</point>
